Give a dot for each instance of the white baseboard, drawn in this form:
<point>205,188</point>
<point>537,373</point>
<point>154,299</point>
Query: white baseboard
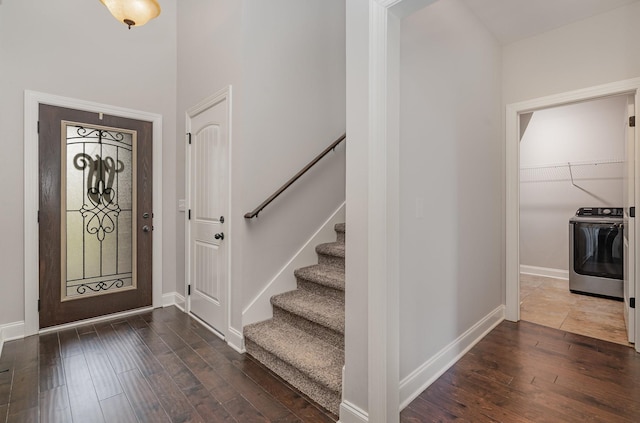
<point>235,340</point>
<point>11,331</point>
<point>173,298</point>
<point>412,385</point>
<point>350,413</point>
<point>544,271</point>
<point>260,308</point>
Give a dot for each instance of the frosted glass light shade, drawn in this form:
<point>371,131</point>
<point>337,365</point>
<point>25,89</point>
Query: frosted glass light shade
<point>133,12</point>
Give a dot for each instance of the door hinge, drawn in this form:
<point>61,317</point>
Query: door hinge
<point>38,216</point>
<point>632,121</point>
<point>38,128</point>
<point>189,289</point>
<point>189,214</point>
<point>632,302</point>
<point>38,305</point>
<point>632,212</point>
<point>189,137</point>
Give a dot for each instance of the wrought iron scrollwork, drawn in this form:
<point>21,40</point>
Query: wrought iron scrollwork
<point>100,286</point>
<point>101,134</point>
<point>102,209</point>
<point>100,201</point>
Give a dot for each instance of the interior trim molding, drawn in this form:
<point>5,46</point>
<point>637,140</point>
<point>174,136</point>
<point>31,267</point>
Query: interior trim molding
<point>32,99</point>
<point>235,340</point>
<point>544,271</point>
<point>350,413</point>
<point>418,380</point>
<point>11,331</point>
<point>512,177</point>
<point>173,299</point>
<point>373,121</point>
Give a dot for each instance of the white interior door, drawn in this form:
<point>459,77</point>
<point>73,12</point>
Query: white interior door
<point>208,220</point>
<point>629,192</point>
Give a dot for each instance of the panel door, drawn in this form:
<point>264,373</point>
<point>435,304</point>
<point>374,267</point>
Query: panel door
<point>208,202</point>
<point>95,214</point>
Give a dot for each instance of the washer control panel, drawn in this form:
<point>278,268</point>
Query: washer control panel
<point>600,211</point>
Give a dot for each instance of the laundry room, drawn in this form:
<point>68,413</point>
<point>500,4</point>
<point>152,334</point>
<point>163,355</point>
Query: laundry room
<point>574,185</point>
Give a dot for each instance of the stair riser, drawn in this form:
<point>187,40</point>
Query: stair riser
<point>322,332</point>
<point>337,262</point>
<point>317,288</point>
<point>327,398</point>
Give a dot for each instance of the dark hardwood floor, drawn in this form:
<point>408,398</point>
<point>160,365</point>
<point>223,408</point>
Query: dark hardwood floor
<point>160,366</point>
<point>523,372</point>
<point>163,366</point>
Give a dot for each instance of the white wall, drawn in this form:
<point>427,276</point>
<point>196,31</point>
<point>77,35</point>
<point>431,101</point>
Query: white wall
<point>356,380</point>
<point>450,180</point>
<point>594,51</point>
<point>588,132</point>
<point>286,62</point>
<point>75,48</point>
<point>209,59</point>
<point>293,108</point>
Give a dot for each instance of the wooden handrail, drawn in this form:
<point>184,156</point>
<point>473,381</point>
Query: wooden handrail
<point>265,203</point>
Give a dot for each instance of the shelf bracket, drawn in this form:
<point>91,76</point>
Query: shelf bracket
<point>571,174</point>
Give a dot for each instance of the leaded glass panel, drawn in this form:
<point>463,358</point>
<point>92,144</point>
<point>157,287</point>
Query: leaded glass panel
<point>98,219</point>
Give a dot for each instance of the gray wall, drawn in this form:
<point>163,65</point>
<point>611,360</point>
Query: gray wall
<point>450,179</point>
<point>289,54</point>
<point>286,62</point>
<point>588,132</point>
<point>75,48</point>
<point>593,51</point>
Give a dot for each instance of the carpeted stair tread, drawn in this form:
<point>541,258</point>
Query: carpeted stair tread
<point>315,358</point>
<point>328,276</point>
<point>335,249</point>
<point>304,341</point>
<point>321,309</point>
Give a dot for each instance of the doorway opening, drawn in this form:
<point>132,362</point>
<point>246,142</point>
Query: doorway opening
<point>573,157</point>
<point>516,116</point>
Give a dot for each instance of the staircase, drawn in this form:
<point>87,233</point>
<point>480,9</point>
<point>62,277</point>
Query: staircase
<point>304,341</point>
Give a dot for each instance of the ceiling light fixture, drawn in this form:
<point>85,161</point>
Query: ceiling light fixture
<point>133,12</point>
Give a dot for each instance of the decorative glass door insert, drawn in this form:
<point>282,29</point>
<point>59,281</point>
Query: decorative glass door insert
<point>98,198</point>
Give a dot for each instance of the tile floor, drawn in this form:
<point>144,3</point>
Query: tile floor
<point>548,302</point>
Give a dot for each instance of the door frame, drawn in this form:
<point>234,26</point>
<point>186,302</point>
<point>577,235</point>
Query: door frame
<point>512,180</point>
<point>32,99</point>
<point>223,95</point>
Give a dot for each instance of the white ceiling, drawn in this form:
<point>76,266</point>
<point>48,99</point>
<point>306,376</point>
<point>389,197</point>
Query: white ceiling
<point>513,20</point>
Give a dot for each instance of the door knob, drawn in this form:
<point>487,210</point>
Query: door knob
<point>146,228</point>
<point>219,236</point>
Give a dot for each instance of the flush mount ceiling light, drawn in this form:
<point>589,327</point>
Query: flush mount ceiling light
<point>133,12</point>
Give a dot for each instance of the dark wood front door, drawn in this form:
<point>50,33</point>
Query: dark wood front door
<point>95,214</point>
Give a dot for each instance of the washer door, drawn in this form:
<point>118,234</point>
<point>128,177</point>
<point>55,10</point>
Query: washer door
<point>598,249</point>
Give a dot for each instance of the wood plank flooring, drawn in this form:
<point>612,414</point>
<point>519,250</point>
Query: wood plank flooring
<point>524,372</point>
<point>163,366</point>
<point>160,366</point>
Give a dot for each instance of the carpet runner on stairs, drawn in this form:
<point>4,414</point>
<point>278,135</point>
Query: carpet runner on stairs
<point>304,341</point>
